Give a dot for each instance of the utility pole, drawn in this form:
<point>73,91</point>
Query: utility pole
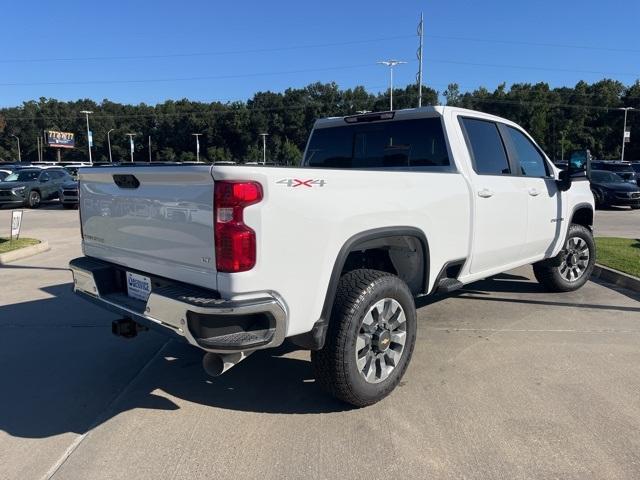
<point>38,148</point>
<point>89,136</point>
<point>264,147</point>
<point>421,36</point>
<point>197,135</point>
<point>131,135</point>
<point>109,144</point>
<point>19,154</point>
<point>149,148</point>
<point>625,138</point>
<point>391,64</point>
<point>562,145</point>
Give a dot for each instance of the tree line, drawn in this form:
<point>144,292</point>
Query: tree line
<point>563,118</point>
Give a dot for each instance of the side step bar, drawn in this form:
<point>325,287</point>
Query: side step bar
<point>448,285</point>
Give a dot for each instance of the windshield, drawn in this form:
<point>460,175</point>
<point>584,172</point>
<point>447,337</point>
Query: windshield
<point>401,143</point>
<point>24,176</point>
<point>606,177</point>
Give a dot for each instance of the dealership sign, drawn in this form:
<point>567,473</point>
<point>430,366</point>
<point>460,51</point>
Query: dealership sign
<point>60,139</point>
<point>16,223</point>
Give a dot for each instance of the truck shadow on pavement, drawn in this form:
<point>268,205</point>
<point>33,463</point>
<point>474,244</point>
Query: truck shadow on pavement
<point>515,284</point>
<point>62,371</point>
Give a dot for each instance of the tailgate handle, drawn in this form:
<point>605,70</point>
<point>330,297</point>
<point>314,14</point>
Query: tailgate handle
<point>126,181</point>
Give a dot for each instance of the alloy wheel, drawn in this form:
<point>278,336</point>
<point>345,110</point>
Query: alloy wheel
<point>576,259</point>
<point>381,340</point>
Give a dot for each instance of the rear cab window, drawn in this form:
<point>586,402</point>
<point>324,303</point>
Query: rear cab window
<point>412,143</point>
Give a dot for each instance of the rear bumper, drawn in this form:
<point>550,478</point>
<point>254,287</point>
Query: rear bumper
<point>185,312</point>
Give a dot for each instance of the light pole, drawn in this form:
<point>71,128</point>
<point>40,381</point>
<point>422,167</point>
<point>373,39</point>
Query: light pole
<point>391,64</point>
<point>624,128</point>
<point>131,135</point>
<point>19,154</point>
<point>89,139</point>
<point>109,143</point>
<point>197,135</point>
<point>264,147</point>
<point>149,148</point>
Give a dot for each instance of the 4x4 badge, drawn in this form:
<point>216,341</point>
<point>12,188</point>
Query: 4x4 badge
<point>297,182</point>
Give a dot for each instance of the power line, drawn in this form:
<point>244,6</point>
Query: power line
<point>534,44</point>
<point>319,45</point>
<point>309,70</point>
<point>529,67</point>
<point>205,54</point>
<point>185,79</point>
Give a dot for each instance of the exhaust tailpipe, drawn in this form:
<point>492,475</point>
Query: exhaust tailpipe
<point>215,364</point>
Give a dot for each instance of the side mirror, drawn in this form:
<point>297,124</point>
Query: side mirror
<point>44,179</point>
<point>579,165</point>
<point>564,180</point>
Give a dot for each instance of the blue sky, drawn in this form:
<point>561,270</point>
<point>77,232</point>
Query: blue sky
<point>241,47</point>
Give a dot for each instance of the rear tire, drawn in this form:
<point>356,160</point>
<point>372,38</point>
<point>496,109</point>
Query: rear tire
<point>572,267</point>
<point>34,199</point>
<point>370,338</point>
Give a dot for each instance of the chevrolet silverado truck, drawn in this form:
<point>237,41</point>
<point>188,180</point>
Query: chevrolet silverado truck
<point>385,207</point>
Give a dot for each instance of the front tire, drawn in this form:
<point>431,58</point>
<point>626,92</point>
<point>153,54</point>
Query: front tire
<point>572,267</point>
<point>370,338</point>
<point>34,199</point>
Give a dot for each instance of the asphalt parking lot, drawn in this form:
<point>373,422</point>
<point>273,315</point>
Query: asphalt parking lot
<point>506,382</point>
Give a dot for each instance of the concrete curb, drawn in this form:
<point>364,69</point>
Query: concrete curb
<point>619,279</point>
<point>25,252</point>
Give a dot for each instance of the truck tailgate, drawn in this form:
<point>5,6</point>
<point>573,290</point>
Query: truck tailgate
<point>155,219</point>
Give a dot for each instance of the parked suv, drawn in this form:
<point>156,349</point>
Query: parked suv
<point>623,169</point>
<point>636,168</point>
<point>31,186</point>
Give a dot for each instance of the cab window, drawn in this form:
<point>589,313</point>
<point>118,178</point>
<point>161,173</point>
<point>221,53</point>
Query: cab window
<point>532,163</point>
<point>488,152</point>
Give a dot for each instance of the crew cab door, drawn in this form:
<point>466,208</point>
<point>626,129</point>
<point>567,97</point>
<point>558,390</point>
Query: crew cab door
<point>500,199</point>
<point>544,200</point>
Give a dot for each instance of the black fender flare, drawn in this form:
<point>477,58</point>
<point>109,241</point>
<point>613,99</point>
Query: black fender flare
<point>581,206</point>
<point>314,340</point>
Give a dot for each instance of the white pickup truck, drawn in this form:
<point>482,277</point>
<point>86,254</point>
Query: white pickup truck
<point>330,255</point>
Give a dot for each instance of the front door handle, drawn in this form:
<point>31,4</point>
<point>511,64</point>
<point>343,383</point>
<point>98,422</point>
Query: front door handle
<point>534,192</point>
<point>485,193</point>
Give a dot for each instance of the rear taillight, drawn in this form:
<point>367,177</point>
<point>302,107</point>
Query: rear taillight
<point>235,241</point>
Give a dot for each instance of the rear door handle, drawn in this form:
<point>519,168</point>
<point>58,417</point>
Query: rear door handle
<point>485,193</point>
<point>534,192</point>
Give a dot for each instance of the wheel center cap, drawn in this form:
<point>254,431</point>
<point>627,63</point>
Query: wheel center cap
<point>382,340</point>
<point>572,260</point>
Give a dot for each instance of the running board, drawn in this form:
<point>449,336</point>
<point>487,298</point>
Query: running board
<point>448,285</point>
